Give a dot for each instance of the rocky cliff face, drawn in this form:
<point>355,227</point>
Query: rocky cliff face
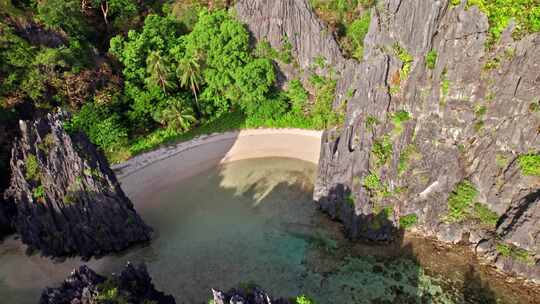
<point>133,285</point>
<point>438,126</point>
<point>66,197</point>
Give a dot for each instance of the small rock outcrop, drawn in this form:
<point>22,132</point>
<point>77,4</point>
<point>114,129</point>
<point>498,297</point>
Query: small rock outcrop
<point>67,199</point>
<point>251,295</point>
<point>133,285</point>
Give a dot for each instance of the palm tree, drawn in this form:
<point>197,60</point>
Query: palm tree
<point>189,73</point>
<point>158,68</point>
<point>177,116</point>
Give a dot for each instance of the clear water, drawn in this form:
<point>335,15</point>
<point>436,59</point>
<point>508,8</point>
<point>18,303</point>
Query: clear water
<point>254,221</point>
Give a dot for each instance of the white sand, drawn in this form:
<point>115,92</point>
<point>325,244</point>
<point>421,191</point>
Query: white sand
<point>150,171</point>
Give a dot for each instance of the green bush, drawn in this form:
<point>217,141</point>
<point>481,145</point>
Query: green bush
<point>406,58</point>
<point>431,59</point>
<point>39,192</point>
<point>382,150</point>
<point>101,124</point>
<point>485,215</point>
<point>356,32</point>
<point>32,167</point>
<point>461,200</point>
<point>526,13</point>
<point>302,299</point>
<point>529,164</point>
<point>408,221</point>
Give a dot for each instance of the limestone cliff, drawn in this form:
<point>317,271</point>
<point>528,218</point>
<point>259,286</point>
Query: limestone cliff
<point>67,199</point>
<point>437,125</point>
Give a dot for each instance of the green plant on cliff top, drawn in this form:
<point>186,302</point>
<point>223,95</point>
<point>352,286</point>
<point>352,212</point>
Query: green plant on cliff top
<point>530,164</point>
<point>32,169</point>
<point>526,14</point>
<point>460,200</point>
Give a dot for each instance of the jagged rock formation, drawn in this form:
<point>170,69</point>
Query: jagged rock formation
<point>417,135</point>
<point>252,295</point>
<point>67,199</point>
<point>133,285</point>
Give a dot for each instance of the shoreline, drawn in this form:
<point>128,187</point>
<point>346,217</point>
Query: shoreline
<point>175,162</point>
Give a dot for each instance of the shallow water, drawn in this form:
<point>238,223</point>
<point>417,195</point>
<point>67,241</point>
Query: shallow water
<point>254,221</point>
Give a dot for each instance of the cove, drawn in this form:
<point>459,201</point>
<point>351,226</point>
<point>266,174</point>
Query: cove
<point>226,214</point>
<point>253,221</point>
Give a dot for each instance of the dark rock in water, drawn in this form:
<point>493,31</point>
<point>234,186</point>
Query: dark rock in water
<point>252,295</point>
<point>416,129</point>
<point>67,199</point>
<point>7,212</point>
<point>83,286</point>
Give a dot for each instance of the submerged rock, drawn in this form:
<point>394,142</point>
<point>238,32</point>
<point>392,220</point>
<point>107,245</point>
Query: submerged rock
<point>251,295</point>
<point>430,110</point>
<point>67,199</point>
<point>133,285</point>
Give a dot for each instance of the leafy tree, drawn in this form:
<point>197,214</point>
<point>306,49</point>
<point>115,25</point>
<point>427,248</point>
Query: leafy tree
<point>65,15</point>
<point>157,67</point>
<point>114,9</point>
<point>176,115</point>
<point>189,73</point>
<point>231,74</point>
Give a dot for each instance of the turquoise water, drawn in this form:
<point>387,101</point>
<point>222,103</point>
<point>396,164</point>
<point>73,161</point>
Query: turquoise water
<point>254,221</point>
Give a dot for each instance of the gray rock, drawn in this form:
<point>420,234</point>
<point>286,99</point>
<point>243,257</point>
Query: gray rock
<point>67,199</point>
<point>468,122</point>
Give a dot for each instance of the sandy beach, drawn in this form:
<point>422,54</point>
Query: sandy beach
<point>185,159</point>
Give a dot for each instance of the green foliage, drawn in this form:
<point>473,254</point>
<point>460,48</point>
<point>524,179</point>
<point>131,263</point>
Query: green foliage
<point>398,118</point>
<point>177,115</point>
<point>493,63</point>
<point>485,215</point>
<point>408,221</point>
<point>382,150</point>
<point>356,32</point>
<point>460,201</point>
<point>526,13</point>
<point>102,125</point>
<point>431,59</point>
<point>529,164</point>
<point>350,199</point>
<point>371,121</point>
<point>39,192</point>
<point>348,19</point>
<point>445,83</point>
<point>298,96</point>
<point>107,292</point>
<point>406,58</point>
<point>65,15</point>
<point>32,167</point>
<point>372,182</point>
<point>302,299</point>
<point>516,253</point>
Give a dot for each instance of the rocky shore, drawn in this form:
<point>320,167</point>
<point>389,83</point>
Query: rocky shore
<point>437,147</point>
